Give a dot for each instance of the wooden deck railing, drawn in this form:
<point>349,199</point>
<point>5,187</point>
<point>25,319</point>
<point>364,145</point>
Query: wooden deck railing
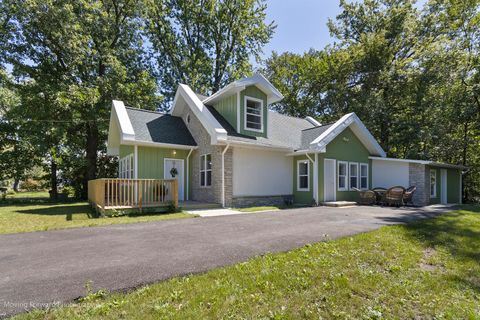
<point>132,193</point>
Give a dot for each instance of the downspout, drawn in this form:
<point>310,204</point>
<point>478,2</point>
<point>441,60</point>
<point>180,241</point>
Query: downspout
<point>135,171</point>
<point>188,173</point>
<point>223,174</point>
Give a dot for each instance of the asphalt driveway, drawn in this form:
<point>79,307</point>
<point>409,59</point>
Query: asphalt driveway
<point>42,269</point>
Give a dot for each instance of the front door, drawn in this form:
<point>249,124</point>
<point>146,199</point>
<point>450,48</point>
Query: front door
<point>329,174</point>
<point>443,186</point>
<point>173,169</point>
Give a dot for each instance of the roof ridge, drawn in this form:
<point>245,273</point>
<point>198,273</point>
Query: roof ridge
<point>323,125</point>
<point>286,115</point>
<point>144,110</point>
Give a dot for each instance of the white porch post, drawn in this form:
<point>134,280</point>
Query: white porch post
<point>223,174</point>
<point>188,175</point>
<point>315,178</point>
<point>135,162</point>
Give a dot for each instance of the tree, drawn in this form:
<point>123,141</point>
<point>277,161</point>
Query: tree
<point>80,55</point>
<point>205,43</point>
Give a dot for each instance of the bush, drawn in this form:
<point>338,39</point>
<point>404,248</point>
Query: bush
<point>31,185</point>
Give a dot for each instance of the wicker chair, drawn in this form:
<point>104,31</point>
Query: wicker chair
<point>408,196</point>
<point>366,197</point>
<point>394,196</point>
<point>379,194</point>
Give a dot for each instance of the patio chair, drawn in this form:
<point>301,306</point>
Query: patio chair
<point>408,195</point>
<point>394,196</point>
<point>366,197</point>
<point>379,194</point>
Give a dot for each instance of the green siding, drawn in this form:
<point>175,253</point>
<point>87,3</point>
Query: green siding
<point>453,186</point>
<point>302,197</point>
<point>227,107</point>
<point>151,160</point>
<point>253,92</point>
<point>345,147</point>
<point>125,150</point>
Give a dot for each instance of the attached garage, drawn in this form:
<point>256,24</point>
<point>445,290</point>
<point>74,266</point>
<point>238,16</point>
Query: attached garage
<point>435,182</point>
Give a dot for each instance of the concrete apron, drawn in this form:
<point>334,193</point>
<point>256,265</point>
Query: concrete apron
<point>204,213</point>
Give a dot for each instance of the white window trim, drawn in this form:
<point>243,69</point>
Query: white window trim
<point>308,175</point>
<point>360,175</point>
<point>245,114</point>
<point>350,164</point>
<point>125,167</point>
<point>347,182</point>
<point>204,156</point>
<point>434,195</point>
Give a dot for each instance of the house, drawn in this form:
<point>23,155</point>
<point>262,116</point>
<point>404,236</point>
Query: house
<point>230,149</point>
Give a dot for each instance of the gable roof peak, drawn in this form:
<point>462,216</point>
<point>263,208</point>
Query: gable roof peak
<point>257,79</point>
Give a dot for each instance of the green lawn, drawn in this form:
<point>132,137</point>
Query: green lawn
<point>255,209</point>
<point>29,195</point>
<point>34,215</point>
<point>425,270</point>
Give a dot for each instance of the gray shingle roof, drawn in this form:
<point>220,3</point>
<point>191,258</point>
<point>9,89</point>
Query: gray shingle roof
<point>283,131</point>
<point>308,135</point>
<point>159,127</point>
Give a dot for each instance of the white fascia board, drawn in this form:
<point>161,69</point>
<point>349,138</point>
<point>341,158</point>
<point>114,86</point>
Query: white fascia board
<point>213,127</point>
<point>126,128</point>
<point>158,144</point>
<point>273,95</point>
<point>424,162</point>
<point>360,130</point>
<point>246,145</point>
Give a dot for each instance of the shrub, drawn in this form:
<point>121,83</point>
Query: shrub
<point>31,185</point>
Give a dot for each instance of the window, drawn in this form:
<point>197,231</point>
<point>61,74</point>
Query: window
<point>253,114</point>
<point>433,183</point>
<point>363,176</point>
<point>188,118</point>
<point>206,170</point>
<point>303,175</point>
<point>125,167</point>
<point>342,175</point>
<point>353,175</point>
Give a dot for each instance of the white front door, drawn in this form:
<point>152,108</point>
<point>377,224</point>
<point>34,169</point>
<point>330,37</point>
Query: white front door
<point>443,186</point>
<point>168,173</point>
<point>329,174</point>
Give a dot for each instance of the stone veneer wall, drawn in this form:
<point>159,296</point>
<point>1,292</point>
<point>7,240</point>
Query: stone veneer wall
<point>212,193</point>
<point>419,176</point>
<point>250,201</point>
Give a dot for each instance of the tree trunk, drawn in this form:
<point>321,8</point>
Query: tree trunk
<point>15,184</point>
<point>91,156</point>
<point>53,180</point>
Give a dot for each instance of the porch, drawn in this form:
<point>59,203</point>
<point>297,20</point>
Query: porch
<point>136,194</point>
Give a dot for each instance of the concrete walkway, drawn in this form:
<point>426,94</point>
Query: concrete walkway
<point>214,212</point>
<point>42,269</point>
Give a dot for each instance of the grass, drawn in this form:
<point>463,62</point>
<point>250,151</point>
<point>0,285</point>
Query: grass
<point>255,209</point>
<point>424,270</point>
<point>36,214</point>
<point>29,195</point>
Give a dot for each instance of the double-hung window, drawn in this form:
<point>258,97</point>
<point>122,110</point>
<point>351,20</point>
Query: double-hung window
<point>353,175</point>
<point>363,176</point>
<point>433,183</point>
<point>125,167</point>
<point>303,175</point>
<point>342,175</point>
<point>253,114</point>
<point>206,170</point>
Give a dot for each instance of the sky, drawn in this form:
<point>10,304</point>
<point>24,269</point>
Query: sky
<point>301,24</point>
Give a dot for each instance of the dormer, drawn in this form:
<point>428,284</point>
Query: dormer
<point>244,104</point>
